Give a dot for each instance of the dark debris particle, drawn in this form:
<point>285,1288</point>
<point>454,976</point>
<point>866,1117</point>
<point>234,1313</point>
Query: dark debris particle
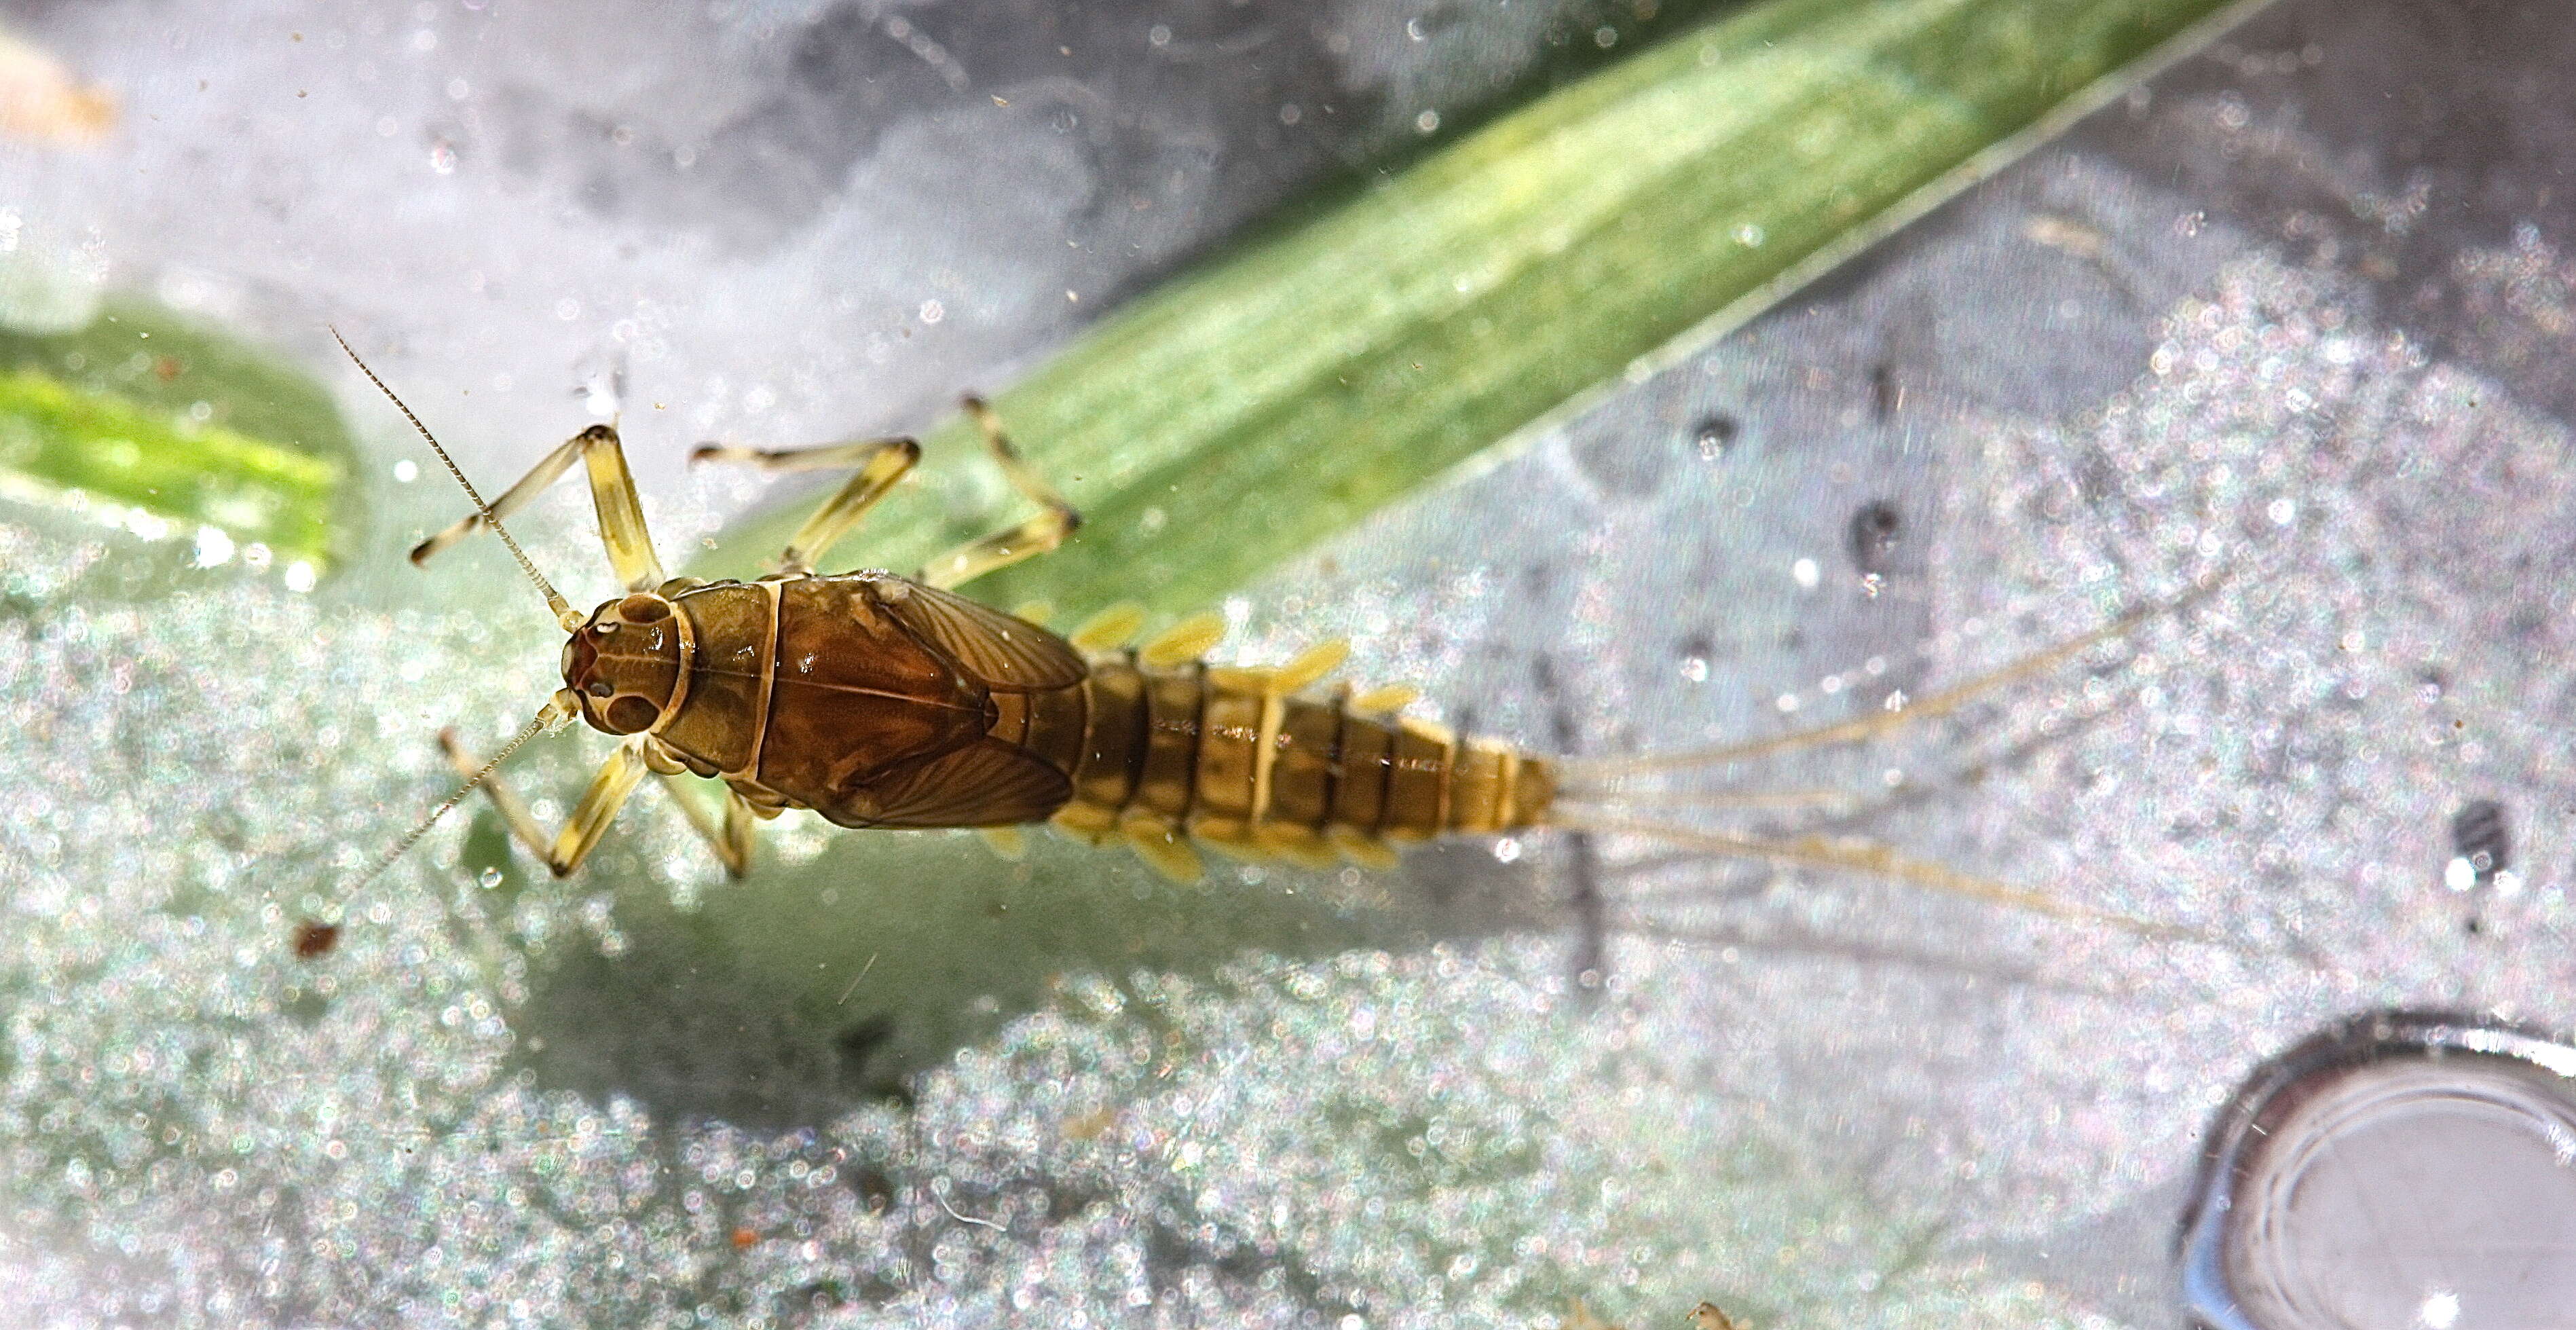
<point>2480,835</point>
<point>857,1045</point>
<point>1873,535</point>
<point>1885,393</point>
<point>315,939</point>
<point>1714,435</point>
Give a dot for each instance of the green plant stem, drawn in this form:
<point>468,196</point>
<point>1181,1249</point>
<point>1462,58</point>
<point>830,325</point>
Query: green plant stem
<point>1247,410</point>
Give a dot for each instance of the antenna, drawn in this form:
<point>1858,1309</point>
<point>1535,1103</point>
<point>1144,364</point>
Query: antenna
<point>565,615</point>
<point>554,714</point>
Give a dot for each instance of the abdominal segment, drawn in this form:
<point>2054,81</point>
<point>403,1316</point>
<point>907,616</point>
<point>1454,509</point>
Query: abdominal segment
<point>1194,754</point>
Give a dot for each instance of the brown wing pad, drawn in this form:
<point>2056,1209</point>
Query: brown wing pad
<point>1006,654</point>
<point>986,784</point>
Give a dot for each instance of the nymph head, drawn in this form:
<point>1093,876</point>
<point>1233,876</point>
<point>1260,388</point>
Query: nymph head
<point>629,664</point>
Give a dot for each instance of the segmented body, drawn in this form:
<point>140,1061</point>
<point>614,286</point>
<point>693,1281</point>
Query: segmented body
<point>1210,754</point>
<point>885,701</point>
<point>877,701</point>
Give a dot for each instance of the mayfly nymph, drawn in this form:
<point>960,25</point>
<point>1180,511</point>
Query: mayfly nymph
<point>882,701</point>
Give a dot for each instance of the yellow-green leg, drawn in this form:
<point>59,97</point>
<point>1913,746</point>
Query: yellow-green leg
<point>612,494</point>
<point>581,832</point>
<point>1024,540</point>
<point>730,838</point>
<point>880,463</point>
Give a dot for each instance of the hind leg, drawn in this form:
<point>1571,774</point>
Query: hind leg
<point>1025,540</point>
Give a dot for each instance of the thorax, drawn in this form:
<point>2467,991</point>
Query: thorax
<point>803,684</point>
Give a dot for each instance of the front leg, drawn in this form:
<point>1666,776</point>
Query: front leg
<point>590,818</point>
<point>612,494</point>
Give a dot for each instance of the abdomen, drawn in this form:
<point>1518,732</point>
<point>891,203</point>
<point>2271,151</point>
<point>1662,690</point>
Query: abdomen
<point>1167,754</point>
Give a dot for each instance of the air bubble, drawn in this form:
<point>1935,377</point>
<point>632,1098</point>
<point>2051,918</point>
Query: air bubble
<point>213,547</point>
<point>1714,436</point>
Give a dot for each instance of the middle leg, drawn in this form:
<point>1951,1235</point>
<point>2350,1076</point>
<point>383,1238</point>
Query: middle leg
<point>880,464</point>
<point>731,838</point>
<point>609,790</point>
<point>590,818</point>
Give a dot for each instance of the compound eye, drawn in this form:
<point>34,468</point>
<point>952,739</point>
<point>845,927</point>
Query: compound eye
<point>643,609</point>
<point>631,715</point>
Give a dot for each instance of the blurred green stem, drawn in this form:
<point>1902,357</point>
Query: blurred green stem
<point>1254,406</point>
<point>180,426</point>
